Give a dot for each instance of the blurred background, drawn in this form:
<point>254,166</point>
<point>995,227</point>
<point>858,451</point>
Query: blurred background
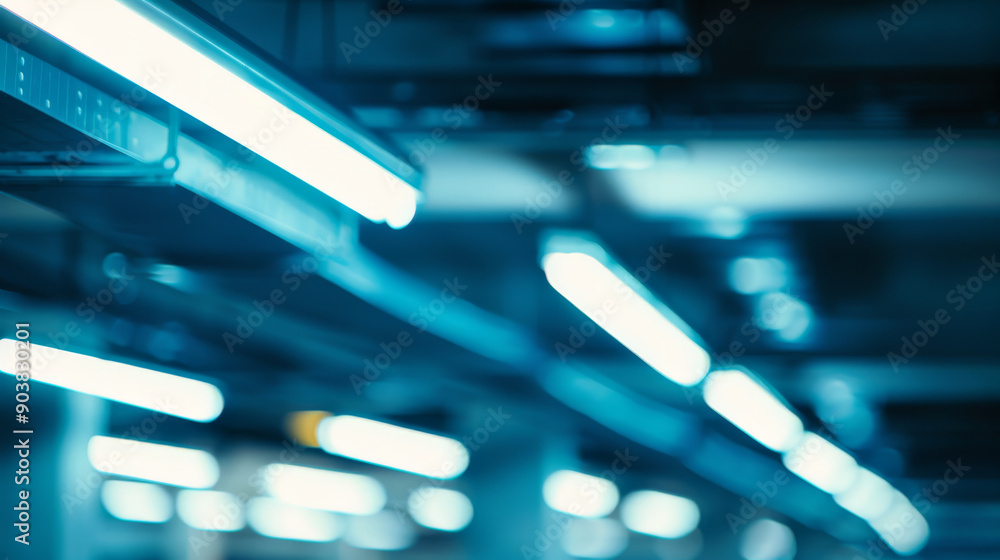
<point>233,365</point>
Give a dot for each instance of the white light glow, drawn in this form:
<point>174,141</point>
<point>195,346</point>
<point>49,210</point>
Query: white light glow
<point>788,316</point>
<point>125,42</point>
<point>322,489</point>
<point>620,156</point>
<point>384,530</point>
<point>766,539</point>
<point>439,508</point>
<point>169,274</point>
<point>822,464</point>
<point>177,466</point>
<point>600,18</point>
<point>625,315</point>
<point>753,409</point>
<point>753,276</point>
<point>726,222</point>
<point>145,388</point>
<point>210,510</point>
<point>594,538</point>
<point>580,494</point>
<point>137,501</point>
<point>902,527</point>
<point>660,515</point>
<point>392,446</point>
<point>276,519</point>
<point>869,497</point>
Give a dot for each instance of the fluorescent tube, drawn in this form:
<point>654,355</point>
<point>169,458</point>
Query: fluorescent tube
<point>128,43</point>
<point>177,466</point>
<point>279,520</point>
<point>580,494</point>
<point>822,464</point>
<point>323,489</point>
<point>210,510</point>
<point>137,501</point>
<point>440,508</point>
<point>611,301</point>
<point>392,446</point>
<point>145,388</point>
<point>659,514</point>
<point>902,527</point>
<point>869,497</point>
<point>753,409</point>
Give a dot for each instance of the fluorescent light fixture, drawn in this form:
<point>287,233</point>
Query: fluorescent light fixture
<point>126,42</point>
<point>439,508</point>
<point>594,538</point>
<point>137,501</point>
<point>176,466</point>
<point>145,388</point>
<point>869,497</point>
<point>766,539</point>
<point>384,530</point>
<point>326,490</point>
<point>902,527</point>
<point>392,446</point>
<point>659,514</point>
<point>276,519</point>
<point>616,302</point>
<point>580,494</point>
<point>210,510</point>
<point>822,464</point>
<point>753,409</point>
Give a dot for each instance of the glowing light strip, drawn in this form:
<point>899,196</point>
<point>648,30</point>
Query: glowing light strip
<point>145,388</point>
<point>125,42</point>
